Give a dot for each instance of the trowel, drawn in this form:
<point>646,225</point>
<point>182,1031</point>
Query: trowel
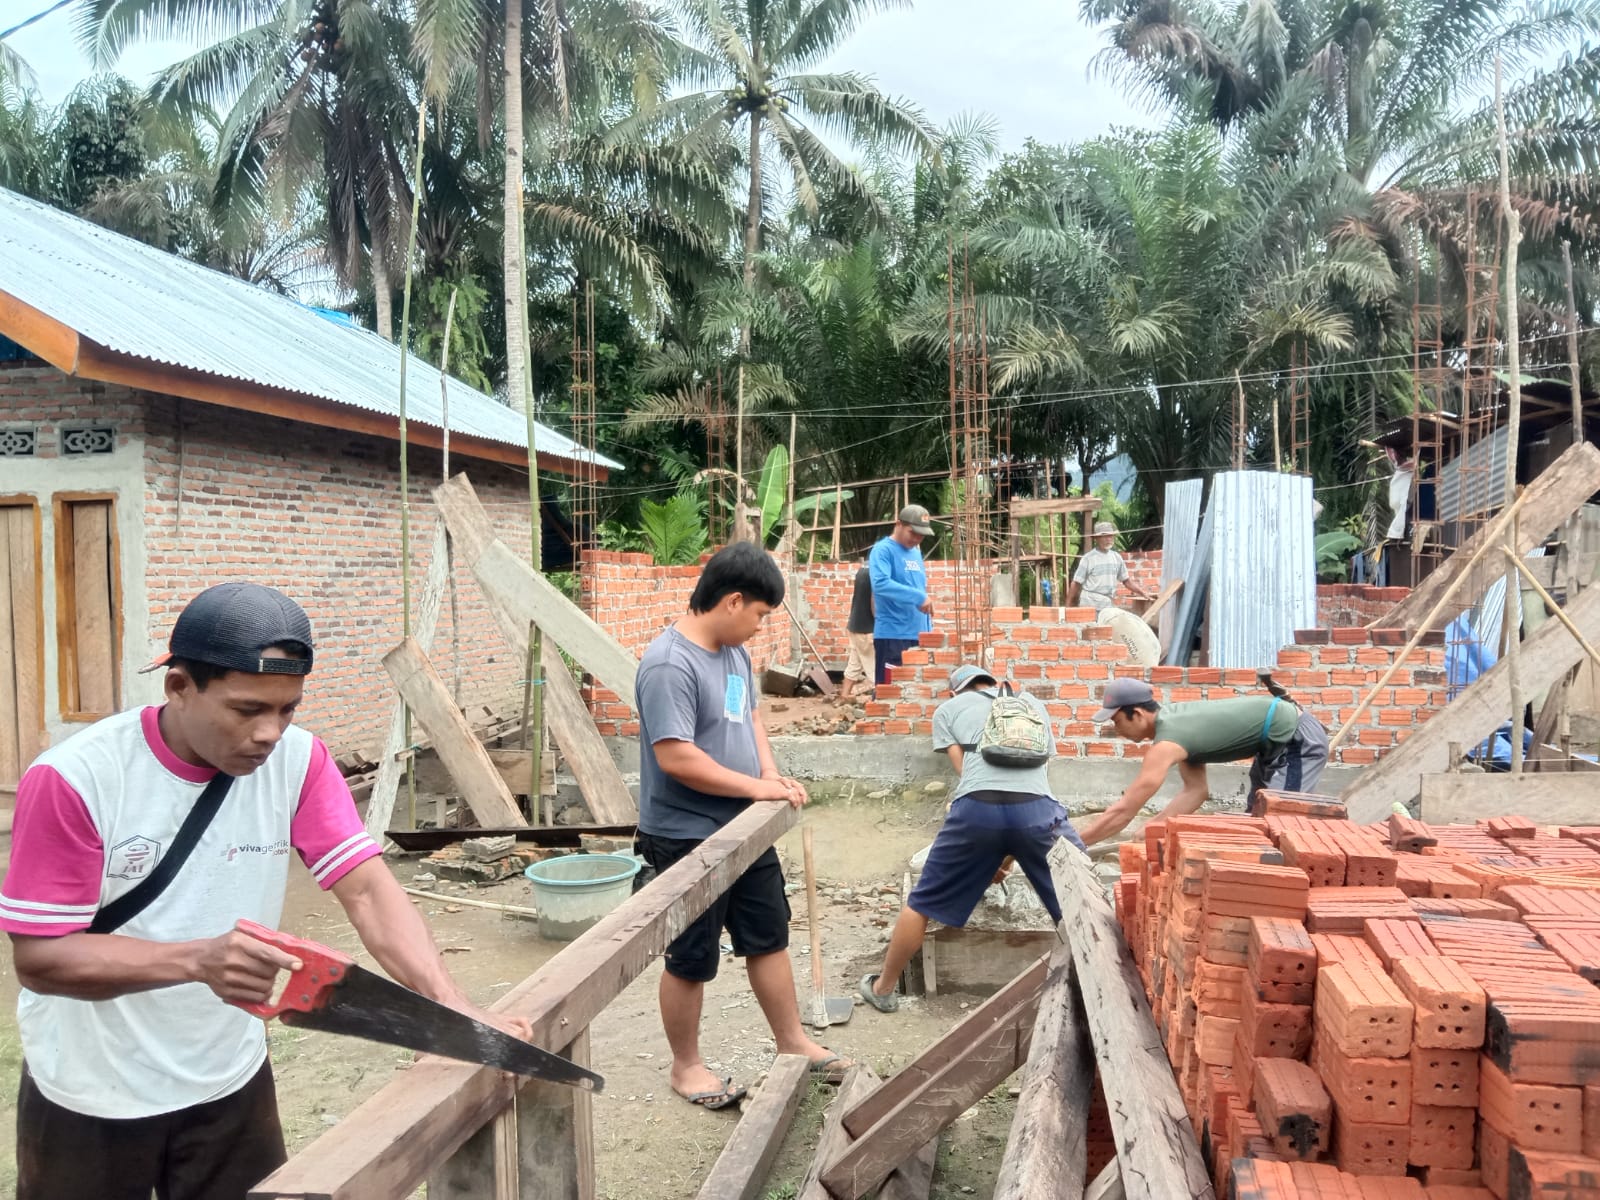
<point>824,1010</point>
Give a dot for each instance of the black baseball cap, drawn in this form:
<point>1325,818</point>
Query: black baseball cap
<point>229,626</point>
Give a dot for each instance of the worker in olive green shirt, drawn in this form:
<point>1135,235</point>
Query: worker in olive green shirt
<point>1288,747</point>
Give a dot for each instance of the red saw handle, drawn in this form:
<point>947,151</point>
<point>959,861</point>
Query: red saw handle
<point>321,969</point>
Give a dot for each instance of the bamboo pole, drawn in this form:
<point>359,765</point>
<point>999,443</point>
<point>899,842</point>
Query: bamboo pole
<point>468,902</point>
<point>1513,602</point>
<point>405,455</point>
<point>1489,543</point>
<point>533,683</point>
<point>1574,536</point>
<point>1556,610</point>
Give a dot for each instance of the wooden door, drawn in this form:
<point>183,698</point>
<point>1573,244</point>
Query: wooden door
<point>21,641</point>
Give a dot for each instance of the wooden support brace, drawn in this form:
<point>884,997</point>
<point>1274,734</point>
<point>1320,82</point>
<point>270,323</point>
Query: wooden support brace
<point>741,1170</point>
<point>1048,1148</point>
<point>1549,797</point>
<point>834,1138</point>
<point>1155,1139</point>
<point>458,747</point>
<point>1107,1185</point>
<point>996,1044</point>
<point>392,1141</point>
<point>512,584</point>
<point>1480,709</point>
<point>380,801</point>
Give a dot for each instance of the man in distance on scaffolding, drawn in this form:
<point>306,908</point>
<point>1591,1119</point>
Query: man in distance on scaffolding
<point>1287,746</point>
<point>703,757</point>
<point>902,610</point>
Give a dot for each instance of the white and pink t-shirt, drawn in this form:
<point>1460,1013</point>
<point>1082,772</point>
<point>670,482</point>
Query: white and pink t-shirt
<point>94,815</point>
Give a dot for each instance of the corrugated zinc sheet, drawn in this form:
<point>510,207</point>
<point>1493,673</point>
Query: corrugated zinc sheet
<point>1192,600</point>
<point>1475,482</point>
<point>1180,525</point>
<point>140,301</point>
<point>1263,565</point>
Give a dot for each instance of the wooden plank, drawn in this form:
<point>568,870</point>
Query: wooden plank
<point>1550,798</point>
<point>740,1172</point>
<point>1047,1152</point>
<point>833,1139</point>
<point>1107,1185</point>
<point>529,597</point>
<point>457,746</point>
<point>573,728</point>
<point>956,1042</point>
<point>993,1052</point>
<point>11,763</point>
<point>1049,508</point>
<point>982,960</point>
<point>427,840</point>
<point>389,1144</point>
<point>27,631</point>
<point>91,584</point>
<point>1481,707</point>
<point>1552,497</point>
<point>483,1169</point>
<point>380,801</point>
<point>1155,1138</point>
<point>1152,614</point>
<point>554,1128</point>
<point>912,1179</point>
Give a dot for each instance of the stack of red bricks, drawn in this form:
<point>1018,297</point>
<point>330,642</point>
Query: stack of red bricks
<point>1392,1012</point>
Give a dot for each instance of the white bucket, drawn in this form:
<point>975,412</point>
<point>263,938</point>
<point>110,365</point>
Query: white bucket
<point>574,891</point>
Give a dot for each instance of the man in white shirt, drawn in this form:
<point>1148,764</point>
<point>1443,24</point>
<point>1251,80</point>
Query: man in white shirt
<point>1100,571</point>
<point>139,1074</point>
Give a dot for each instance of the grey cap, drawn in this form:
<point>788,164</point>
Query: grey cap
<point>966,675</point>
<point>1120,693</point>
<point>1101,528</point>
<point>915,516</point>
<point>229,626</point>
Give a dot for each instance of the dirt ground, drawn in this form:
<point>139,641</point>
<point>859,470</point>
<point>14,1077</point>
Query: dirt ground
<point>649,1143</point>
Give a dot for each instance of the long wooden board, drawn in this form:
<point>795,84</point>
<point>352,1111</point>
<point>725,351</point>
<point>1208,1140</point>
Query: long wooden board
<point>1558,492</point>
<point>527,595</point>
<point>1047,1152</point>
<point>390,1143</point>
<point>380,802</point>
<point>995,1049</point>
<point>740,1172</point>
<point>1155,1139</point>
<point>1550,798</point>
<point>831,1142</point>
<point>1480,708</point>
<point>457,746</point>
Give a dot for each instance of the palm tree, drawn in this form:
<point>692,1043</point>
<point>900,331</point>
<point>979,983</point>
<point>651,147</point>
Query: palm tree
<point>318,97</point>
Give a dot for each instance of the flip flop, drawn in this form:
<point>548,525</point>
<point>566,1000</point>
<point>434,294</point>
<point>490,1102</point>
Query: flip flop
<point>723,1097</point>
<point>832,1068</point>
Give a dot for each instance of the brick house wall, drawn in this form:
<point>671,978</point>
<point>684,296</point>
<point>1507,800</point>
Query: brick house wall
<point>312,511</point>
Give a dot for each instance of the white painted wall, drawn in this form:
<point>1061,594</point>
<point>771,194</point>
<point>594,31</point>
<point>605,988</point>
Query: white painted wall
<point>120,473</point>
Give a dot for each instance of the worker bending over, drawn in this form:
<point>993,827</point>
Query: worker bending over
<point>1288,747</point>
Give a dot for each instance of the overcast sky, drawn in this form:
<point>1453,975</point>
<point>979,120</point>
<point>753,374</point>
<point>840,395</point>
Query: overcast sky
<point>1024,62</point>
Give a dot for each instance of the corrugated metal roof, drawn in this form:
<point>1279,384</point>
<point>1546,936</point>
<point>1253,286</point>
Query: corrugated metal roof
<point>1263,565</point>
<point>140,301</point>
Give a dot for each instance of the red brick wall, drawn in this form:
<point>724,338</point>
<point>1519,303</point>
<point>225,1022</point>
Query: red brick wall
<point>316,513</point>
<point>1144,569</point>
<point>1066,661</point>
<point>1344,604</point>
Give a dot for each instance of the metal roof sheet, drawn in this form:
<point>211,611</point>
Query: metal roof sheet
<point>144,302</point>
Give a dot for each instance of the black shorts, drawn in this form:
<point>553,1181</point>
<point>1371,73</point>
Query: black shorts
<point>218,1150</point>
<point>754,911</point>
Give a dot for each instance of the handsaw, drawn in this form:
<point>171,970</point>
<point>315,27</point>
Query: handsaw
<point>331,993</point>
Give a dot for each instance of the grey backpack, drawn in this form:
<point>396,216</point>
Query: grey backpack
<point>1014,735</point>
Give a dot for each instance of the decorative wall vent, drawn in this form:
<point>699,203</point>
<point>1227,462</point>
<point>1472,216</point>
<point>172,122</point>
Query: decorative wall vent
<point>88,439</point>
<point>18,441</point>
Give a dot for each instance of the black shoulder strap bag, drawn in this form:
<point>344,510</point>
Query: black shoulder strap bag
<point>138,898</point>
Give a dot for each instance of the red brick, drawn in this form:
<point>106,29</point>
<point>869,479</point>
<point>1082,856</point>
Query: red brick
<point>1293,1107</point>
<point>1450,1007</point>
<point>1281,960</point>
<point>1370,1149</point>
<point>1366,1090</point>
<point>1443,1137</point>
<point>1362,1012</point>
<point>1273,1030</point>
<point>1444,1078</point>
<point>1393,939</point>
<point>1534,1116</point>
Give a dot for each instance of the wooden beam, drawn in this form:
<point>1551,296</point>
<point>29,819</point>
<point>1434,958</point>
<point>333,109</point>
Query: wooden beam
<point>1558,492</point>
<point>912,1179</point>
<point>833,1139</point>
<point>39,334</point>
<point>996,1045</point>
<point>914,1076</point>
<point>530,598</point>
<point>390,1143</point>
<point>1481,708</point>
<point>740,1172</point>
<point>1053,507</point>
<point>1167,593</point>
<point>1548,797</point>
<point>1107,1185</point>
<point>1155,1138</point>
<point>457,746</point>
<point>554,1128</point>
<point>380,801</point>
<point>1047,1151</point>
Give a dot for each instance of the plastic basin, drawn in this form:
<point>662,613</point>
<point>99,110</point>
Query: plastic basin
<point>574,891</point>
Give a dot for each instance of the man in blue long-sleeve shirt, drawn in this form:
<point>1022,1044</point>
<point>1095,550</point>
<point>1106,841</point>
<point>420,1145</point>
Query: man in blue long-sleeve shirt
<point>899,590</point>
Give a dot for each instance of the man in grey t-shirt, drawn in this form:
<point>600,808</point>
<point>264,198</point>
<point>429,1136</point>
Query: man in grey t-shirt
<point>998,813</point>
<point>703,758</point>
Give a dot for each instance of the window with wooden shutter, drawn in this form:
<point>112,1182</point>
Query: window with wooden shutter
<point>88,606</point>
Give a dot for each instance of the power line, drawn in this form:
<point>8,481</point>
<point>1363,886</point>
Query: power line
<point>37,17</point>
